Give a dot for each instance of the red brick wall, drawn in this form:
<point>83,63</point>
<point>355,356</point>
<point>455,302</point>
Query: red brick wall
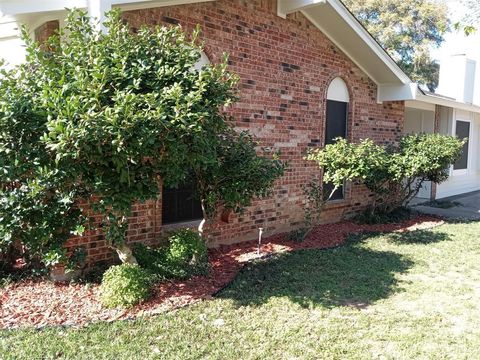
<point>285,68</point>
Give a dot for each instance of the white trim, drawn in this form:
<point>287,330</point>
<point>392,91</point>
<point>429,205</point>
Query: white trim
<point>387,92</point>
<point>18,7</point>
<point>96,11</point>
<point>285,7</point>
<point>419,105</point>
<point>432,99</point>
<point>369,40</point>
<point>127,5</point>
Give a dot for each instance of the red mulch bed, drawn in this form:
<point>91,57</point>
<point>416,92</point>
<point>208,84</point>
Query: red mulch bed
<point>40,302</point>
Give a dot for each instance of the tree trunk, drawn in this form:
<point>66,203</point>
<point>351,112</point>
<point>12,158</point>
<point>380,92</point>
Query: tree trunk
<point>125,254</point>
<point>201,226</point>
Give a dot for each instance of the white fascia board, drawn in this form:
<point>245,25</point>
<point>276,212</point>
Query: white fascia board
<point>419,105</point>
<point>386,92</point>
<point>285,7</point>
<point>127,5</point>
<point>447,103</point>
<point>19,7</point>
<point>369,40</point>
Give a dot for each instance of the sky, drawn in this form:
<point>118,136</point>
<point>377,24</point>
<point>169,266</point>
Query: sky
<point>456,42</point>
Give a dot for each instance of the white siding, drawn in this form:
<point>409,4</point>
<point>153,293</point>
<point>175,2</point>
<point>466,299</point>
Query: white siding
<point>462,182</point>
<point>11,47</point>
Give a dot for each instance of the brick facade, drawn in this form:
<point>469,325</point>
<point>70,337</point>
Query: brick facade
<point>285,67</point>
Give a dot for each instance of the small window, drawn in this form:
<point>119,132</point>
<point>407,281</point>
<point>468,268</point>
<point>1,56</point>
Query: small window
<point>462,131</point>
<point>336,123</point>
<point>180,204</point>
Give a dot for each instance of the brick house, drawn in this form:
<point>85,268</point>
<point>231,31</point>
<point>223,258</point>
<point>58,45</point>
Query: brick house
<point>309,72</point>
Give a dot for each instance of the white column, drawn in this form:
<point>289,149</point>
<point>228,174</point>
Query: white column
<point>97,9</point>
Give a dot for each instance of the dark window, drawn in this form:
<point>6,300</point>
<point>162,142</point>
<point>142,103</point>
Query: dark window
<point>462,131</point>
<point>336,126</point>
<point>179,204</point>
<point>336,120</point>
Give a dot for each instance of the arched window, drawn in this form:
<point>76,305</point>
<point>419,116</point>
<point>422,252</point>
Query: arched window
<point>337,110</point>
<point>336,122</point>
<point>180,204</point>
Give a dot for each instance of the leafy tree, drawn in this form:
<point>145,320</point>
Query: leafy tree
<point>407,29</point>
<point>394,175</point>
<point>469,23</point>
<point>110,114</point>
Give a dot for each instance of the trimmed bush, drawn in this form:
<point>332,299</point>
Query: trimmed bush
<point>124,286</point>
<point>394,174</point>
<point>187,250</point>
<point>184,255</point>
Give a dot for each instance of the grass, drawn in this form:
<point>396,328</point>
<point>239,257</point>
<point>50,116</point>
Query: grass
<point>394,296</point>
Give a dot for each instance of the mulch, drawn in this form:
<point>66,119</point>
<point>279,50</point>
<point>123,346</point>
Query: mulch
<point>40,303</point>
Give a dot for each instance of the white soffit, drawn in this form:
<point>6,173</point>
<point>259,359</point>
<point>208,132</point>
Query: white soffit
<point>420,105</point>
<point>18,7</point>
<point>439,100</point>
<point>334,20</point>
<point>344,30</point>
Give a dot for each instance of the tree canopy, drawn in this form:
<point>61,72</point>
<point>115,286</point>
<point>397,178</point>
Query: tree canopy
<point>408,30</point>
<point>469,22</point>
<point>111,114</point>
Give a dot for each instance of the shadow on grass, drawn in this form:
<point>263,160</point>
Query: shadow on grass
<point>418,237</point>
<point>351,275</point>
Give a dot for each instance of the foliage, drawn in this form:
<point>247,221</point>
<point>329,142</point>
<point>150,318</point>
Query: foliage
<point>37,210</point>
<point>315,201</point>
<point>124,285</point>
<point>393,174</point>
<point>108,115</point>
<point>470,20</point>
<point>184,255</point>
<point>187,249</point>
<point>137,111</point>
<point>443,204</point>
<point>407,29</point>
<point>370,216</point>
<point>237,176</point>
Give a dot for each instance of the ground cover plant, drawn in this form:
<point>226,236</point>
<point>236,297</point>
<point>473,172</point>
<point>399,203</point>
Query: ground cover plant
<point>183,255</point>
<point>124,285</point>
<point>411,295</point>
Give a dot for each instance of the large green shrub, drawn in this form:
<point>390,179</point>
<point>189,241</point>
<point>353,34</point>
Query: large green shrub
<point>110,114</point>
<point>124,286</point>
<point>394,174</point>
<point>37,201</point>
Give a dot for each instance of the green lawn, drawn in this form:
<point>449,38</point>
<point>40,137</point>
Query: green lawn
<point>410,296</point>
